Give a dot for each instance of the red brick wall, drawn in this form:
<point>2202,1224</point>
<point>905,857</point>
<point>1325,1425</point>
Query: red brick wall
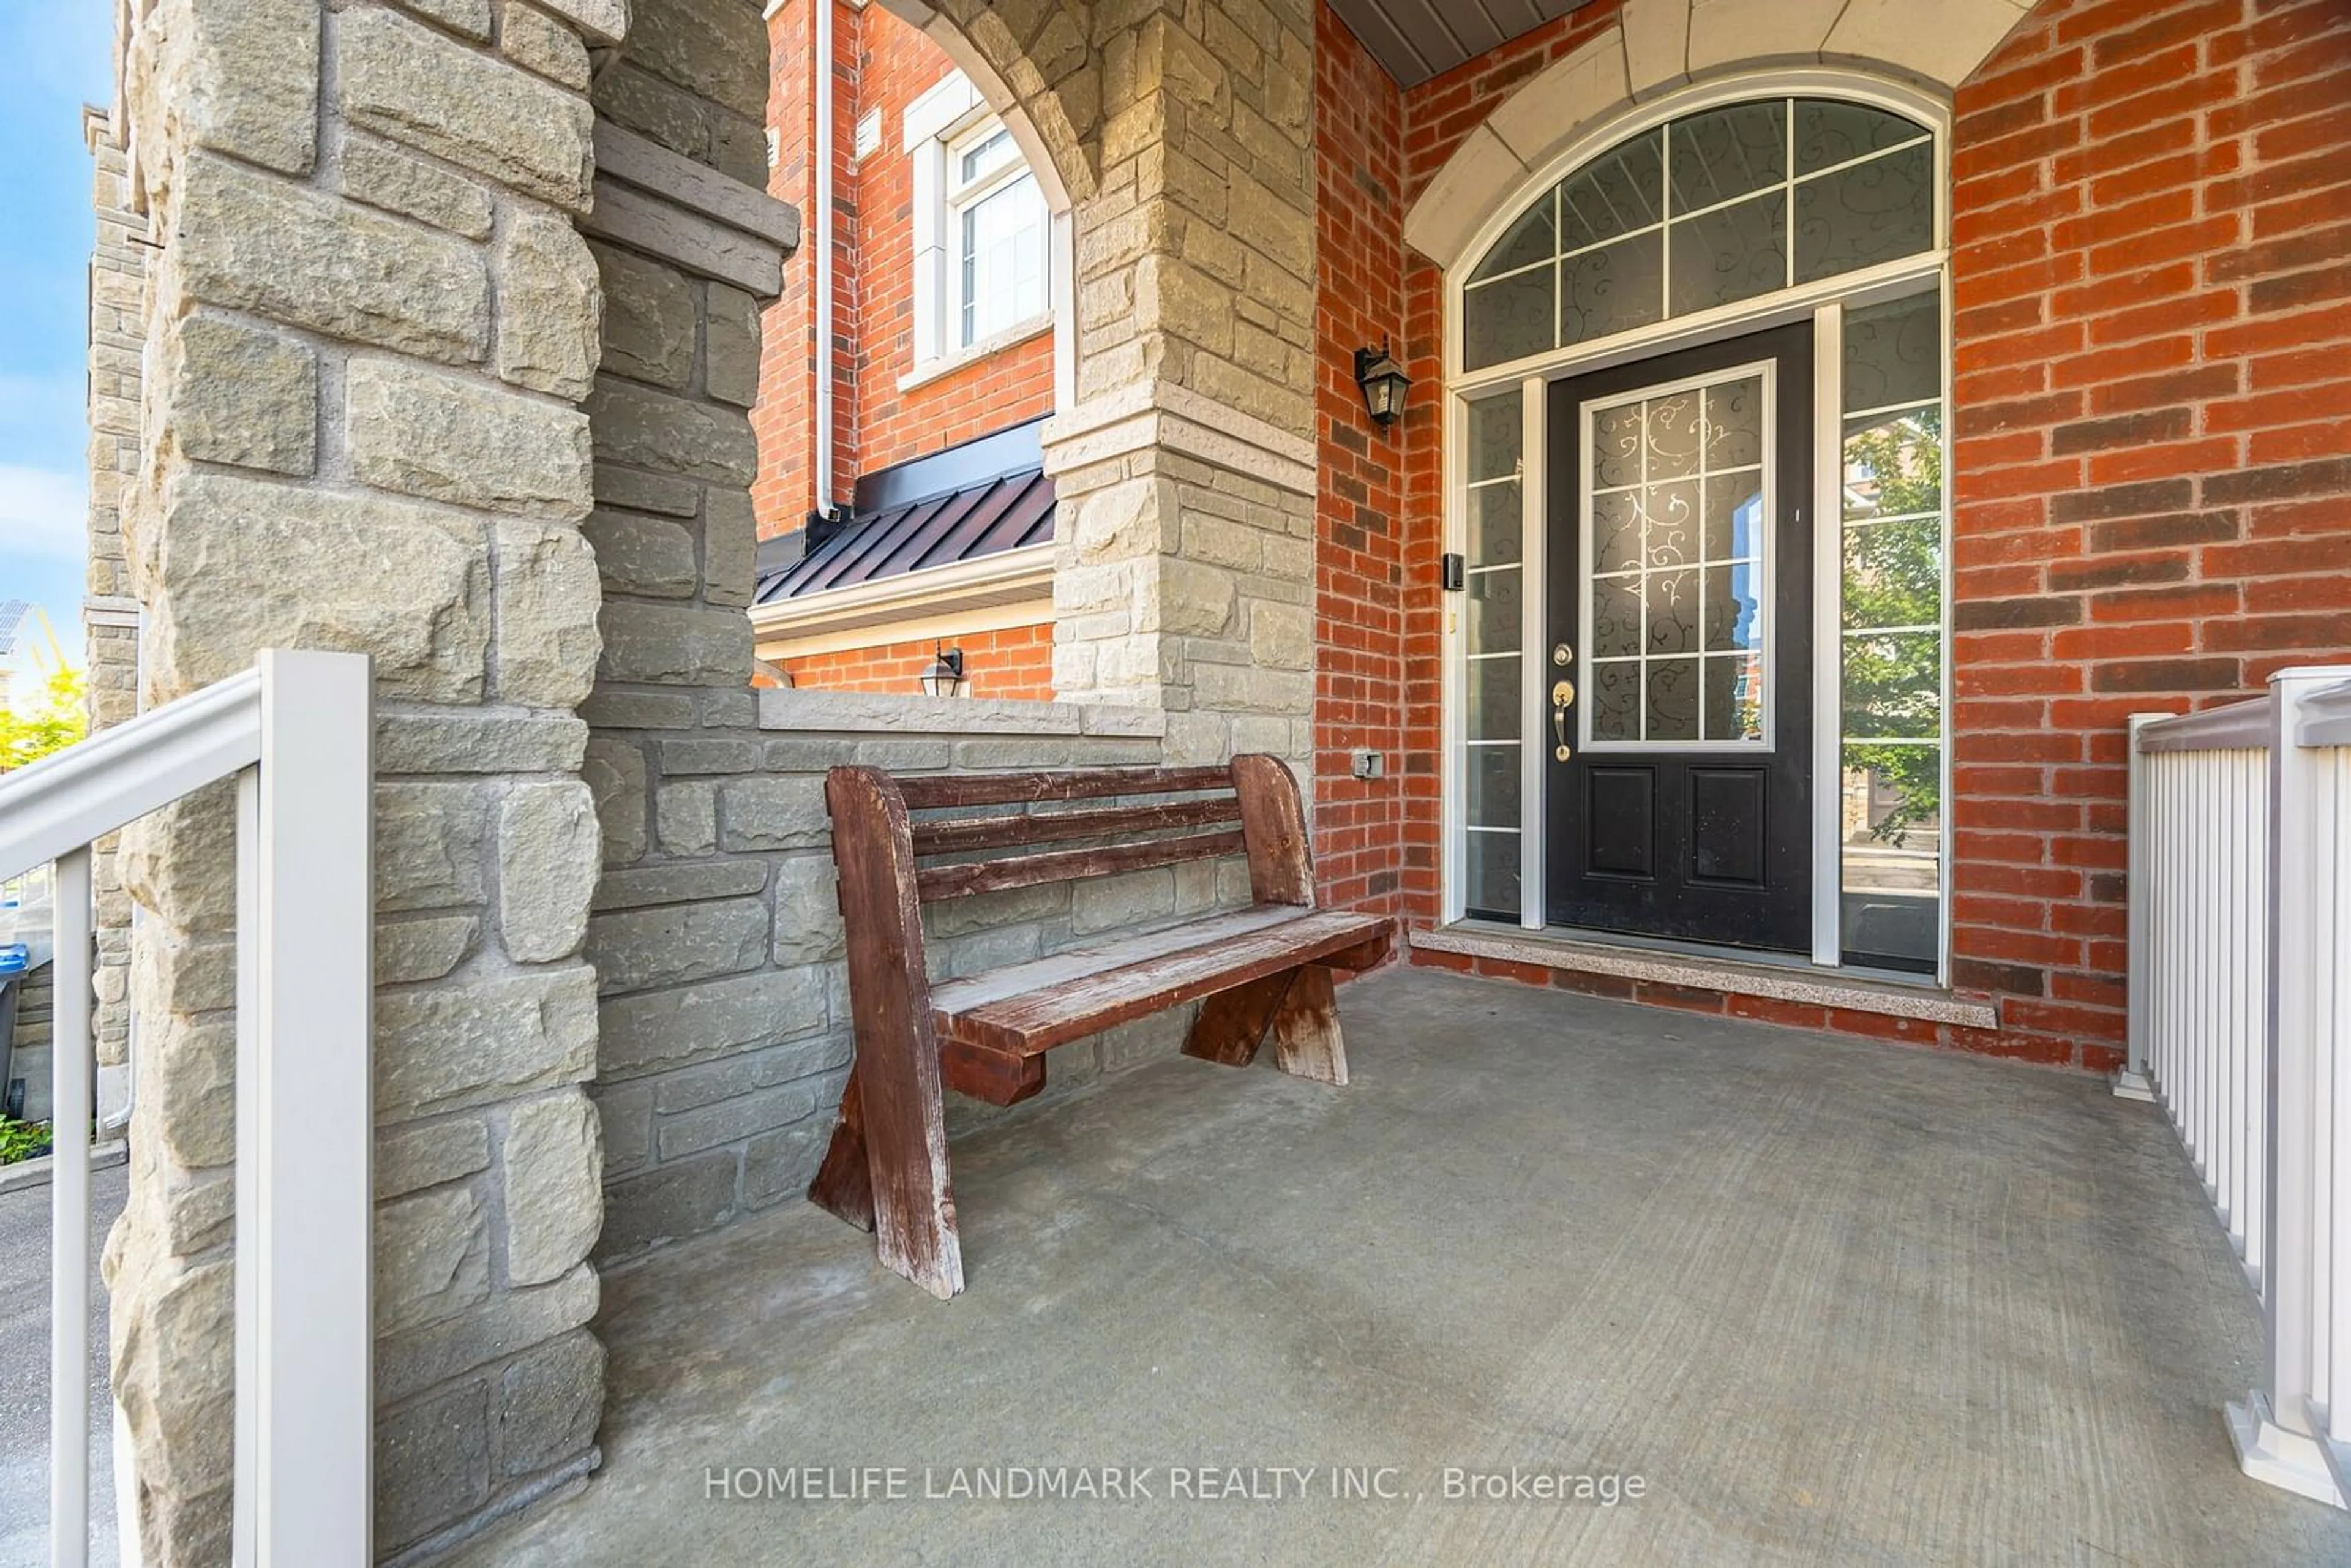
<point>880,62</point>
<point>1360,522</point>
<point>2151,273</point>
<point>1015,663</point>
<point>1380,516</point>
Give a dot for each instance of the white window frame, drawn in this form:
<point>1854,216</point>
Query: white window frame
<point>1822,303</point>
<point>941,125</point>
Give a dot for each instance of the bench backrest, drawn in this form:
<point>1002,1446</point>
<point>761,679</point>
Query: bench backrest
<point>1119,819</point>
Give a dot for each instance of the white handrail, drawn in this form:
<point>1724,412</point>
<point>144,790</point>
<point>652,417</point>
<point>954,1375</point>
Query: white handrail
<point>2236,726</point>
<point>2240,889</point>
<point>298,733</point>
<point>118,776</point>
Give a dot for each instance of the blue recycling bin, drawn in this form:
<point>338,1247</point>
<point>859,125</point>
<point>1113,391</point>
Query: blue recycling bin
<point>15,959</point>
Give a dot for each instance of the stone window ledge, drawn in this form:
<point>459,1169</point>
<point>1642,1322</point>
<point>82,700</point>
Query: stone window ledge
<point>963,358</point>
<point>852,713</point>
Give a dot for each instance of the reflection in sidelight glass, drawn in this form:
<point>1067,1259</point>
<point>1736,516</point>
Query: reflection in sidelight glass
<point>1891,701</point>
<point>1492,610</point>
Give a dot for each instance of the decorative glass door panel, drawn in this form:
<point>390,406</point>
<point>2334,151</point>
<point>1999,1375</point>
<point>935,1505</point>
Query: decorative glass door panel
<point>1679,602</point>
<point>1678,535</point>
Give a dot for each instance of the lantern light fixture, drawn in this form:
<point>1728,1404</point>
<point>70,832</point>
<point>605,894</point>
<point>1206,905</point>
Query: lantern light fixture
<point>945,678</point>
<point>1383,382</point>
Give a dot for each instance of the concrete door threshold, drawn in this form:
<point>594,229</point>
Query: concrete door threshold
<point>1732,977</point>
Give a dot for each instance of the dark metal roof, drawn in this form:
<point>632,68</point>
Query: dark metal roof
<point>978,520</point>
<point>1416,39</point>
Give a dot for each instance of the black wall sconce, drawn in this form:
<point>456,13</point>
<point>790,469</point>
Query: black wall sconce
<point>1384,384</point>
<point>945,678</point>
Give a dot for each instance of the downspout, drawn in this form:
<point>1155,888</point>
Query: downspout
<point>822,153</point>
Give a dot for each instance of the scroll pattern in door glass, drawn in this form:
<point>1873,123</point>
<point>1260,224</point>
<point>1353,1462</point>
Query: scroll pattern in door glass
<point>1674,632</point>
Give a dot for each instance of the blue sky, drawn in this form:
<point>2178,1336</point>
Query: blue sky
<point>58,56</point>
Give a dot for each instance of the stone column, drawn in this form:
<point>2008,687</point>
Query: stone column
<point>371,324</point>
<point>118,324</point>
<point>719,1070</point>
<point>1186,469</point>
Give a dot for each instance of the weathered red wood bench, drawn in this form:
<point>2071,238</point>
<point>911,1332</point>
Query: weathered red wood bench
<point>1264,970</point>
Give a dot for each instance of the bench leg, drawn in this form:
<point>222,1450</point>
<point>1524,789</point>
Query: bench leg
<point>1232,1024</point>
<point>1297,1006</point>
<point>1306,1038</point>
<point>842,1183</point>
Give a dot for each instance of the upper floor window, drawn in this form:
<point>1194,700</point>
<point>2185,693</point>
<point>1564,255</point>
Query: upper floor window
<point>1709,209</point>
<point>982,233</point>
<point>999,226</point>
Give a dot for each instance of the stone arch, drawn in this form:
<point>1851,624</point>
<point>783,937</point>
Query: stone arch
<point>1030,60</point>
<point>1659,45</point>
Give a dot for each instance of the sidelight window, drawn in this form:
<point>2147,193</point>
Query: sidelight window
<point>1892,647</point>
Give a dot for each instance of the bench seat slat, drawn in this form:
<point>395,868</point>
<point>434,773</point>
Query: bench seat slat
<point>1031,1007</point>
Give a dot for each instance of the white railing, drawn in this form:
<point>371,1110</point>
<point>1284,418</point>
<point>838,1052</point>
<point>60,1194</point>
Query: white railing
<point>297,732</point>
<point>2240,927</point>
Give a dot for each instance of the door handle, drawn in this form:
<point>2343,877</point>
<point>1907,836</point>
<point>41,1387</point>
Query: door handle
<point>1561,693</point>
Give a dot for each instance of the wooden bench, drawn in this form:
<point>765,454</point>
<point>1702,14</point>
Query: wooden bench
<point>1264,970</point>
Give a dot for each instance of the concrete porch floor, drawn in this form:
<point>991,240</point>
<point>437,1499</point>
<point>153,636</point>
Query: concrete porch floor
<point>1830,1300</point>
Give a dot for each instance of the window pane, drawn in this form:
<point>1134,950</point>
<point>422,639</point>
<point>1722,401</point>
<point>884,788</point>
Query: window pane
<point>1893,832</point>
<point>1534,237</point>
<point>1673,699</point>
<point>1493,866</point>
<point>1615,699</point>
<point>1727,152</point>
<point>1734,609</point>
<point>1893,686</point>
<point>1734,423</point>
<point>1497,521</point>
<point>1894,464</point>
<point>1866,214</point>
<point>1496,435</point>
<point>1734,514</point>
<point>1732,253</point>
<point>1493,699</point>
<point>1003,260</point>
<point>1509,318</point>
<point>988,156</point>
<point>1616,618</point>
<point>1497,620</point>
<point>1612,289</point>
<point>1614,193</point>
<point>1894,573</point>
<point>1734,697</point>
<point>1494,785</point>
<point>1894,353</point>
<point>1829,132</point>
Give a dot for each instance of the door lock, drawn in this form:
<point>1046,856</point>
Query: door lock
<point>1561,693</point>
<point>1561,654</point>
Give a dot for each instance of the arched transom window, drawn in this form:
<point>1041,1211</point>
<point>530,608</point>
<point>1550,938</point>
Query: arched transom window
<point>1704,211</point>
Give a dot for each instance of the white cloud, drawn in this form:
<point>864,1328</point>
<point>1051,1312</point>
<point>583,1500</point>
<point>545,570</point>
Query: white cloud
<point>42,514</point>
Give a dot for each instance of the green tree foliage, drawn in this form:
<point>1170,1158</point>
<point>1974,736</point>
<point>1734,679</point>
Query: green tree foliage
<point>61,718</point>
<point>1894,576</point>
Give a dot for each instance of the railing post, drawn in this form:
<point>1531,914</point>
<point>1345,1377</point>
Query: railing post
<point>305,1405</point>
<point>69,1109</point>
<point>2137,1080</point>
<point>2276,1437</point>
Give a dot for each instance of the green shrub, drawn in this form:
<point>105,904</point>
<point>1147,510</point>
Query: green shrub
<point>22,1139</point>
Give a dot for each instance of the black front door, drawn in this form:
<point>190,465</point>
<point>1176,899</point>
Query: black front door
<point>1679,670</point>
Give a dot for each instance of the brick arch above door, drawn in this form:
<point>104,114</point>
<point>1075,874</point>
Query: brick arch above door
<point>1657,46</point>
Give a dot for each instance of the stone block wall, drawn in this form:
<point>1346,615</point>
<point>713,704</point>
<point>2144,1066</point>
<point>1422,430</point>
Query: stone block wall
<point>369,326</point>
<point>726,1025</point>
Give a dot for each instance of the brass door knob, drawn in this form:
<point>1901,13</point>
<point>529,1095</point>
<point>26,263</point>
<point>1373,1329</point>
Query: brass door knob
<point>1562,693</point>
